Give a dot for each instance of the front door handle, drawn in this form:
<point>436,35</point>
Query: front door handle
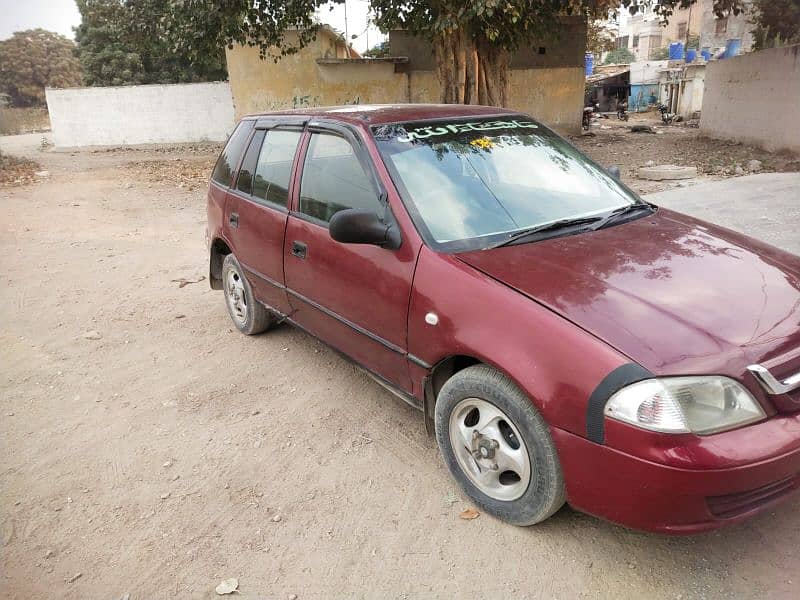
<point>234,220</point>
<point>299,249</point>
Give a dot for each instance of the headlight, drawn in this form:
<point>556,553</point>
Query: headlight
<point>699,405</point>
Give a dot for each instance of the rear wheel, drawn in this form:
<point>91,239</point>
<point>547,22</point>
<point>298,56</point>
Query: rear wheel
<point>249,315</point>
<point>498,447</point>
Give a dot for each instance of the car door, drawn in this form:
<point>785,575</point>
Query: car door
<point>355,297</point>
<point>258,209</point>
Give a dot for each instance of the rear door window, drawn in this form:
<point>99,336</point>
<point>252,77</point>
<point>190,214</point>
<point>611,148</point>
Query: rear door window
<point>274,168</point>
<point>334,179</point>
<point>227,161</point>
<point>244,183</point>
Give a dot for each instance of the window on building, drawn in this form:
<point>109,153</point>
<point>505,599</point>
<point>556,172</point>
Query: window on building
<point>334,179</point>
<point>681,31</point>
<point>721,26</point>
<point>622,42</point>
<point>636,41</point>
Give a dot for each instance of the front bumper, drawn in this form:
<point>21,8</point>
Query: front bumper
<point>642,494</point>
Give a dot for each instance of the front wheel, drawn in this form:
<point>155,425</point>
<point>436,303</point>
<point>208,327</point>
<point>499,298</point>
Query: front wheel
<point>498,447</point>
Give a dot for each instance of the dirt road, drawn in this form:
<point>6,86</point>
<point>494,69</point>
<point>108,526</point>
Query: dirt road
<point>149,449</point>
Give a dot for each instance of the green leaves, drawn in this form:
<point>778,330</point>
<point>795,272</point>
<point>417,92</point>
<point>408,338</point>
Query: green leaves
<point>200,26</point>
<point>777,22</point>
<point>123,42</point>
<point>34,59</point>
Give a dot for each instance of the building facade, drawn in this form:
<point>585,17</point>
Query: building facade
<point>546,79</point>
<point>696,26</point>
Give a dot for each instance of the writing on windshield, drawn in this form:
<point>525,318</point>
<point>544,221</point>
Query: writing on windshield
<point>422,133</point>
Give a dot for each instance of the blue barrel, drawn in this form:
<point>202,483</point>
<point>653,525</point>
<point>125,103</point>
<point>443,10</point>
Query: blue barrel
<point>733,48</point>
<point>588,61</point>
<point>691,55</point>
<point>676,51</point>
<point>706,54</point>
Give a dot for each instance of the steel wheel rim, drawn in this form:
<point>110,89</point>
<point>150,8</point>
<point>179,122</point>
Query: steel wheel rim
<point>489,449</point>
<point>237,300</point>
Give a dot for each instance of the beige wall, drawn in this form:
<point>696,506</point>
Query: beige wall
<point>297,81</point>
<point>552,95</point>
<point>691,17</point>
<point>754,98</point>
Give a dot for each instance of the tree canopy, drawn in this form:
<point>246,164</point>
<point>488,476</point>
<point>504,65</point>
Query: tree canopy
<point>619,56</point>
<point>122,42</point>
<point>35,59</point>
<point>599,37</point>
<point>380,50</point>
<point>777,22</point>
<point>472,41</point>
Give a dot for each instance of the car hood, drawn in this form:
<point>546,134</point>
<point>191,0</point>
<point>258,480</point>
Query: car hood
<point>673,293</point>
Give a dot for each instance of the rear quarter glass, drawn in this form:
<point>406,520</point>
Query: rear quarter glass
<point>229,158</point>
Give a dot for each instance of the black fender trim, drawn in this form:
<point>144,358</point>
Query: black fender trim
<point>613,382</point>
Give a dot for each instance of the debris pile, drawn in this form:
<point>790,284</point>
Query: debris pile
<point>15,171</point>
<point>184,174</point>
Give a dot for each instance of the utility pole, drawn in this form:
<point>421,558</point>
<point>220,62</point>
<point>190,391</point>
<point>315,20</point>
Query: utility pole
<point>688,29</point>
<point>346,33</point>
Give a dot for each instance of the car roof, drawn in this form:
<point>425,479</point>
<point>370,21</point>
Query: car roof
<point>377,114</point>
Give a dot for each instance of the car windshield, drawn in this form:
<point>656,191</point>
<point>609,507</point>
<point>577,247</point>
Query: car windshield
<point>471,183</point>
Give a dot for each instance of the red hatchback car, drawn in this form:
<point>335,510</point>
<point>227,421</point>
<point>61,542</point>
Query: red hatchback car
<point>566,340</point>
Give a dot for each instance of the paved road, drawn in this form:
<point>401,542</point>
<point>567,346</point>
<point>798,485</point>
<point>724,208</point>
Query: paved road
<point>765,206</point>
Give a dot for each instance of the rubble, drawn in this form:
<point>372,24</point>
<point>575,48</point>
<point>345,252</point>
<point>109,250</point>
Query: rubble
<point>662,172</point>
<point>754,166</point>
<point>680,146</point>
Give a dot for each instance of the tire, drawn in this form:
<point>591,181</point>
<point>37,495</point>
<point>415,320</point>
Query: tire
<point>248,314</point>
<point>485,477</point>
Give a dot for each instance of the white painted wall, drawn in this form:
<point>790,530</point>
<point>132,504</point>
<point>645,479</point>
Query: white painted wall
<point>691,98</point>
<point>754,99</point>
<point>647,71</point>
<point>140,114</point>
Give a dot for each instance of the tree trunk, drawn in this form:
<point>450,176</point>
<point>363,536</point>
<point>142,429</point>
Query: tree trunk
<point>493,66</point>
<point>471,71</point>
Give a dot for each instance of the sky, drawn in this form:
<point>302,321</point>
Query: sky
<point>54,15</point>
<point>62,15</point>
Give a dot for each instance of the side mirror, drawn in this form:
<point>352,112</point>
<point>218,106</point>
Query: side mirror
<point>356,226</point>
<point>613,170</point>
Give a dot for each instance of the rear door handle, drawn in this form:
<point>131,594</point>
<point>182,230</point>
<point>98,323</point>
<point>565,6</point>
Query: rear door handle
<point>234,220</point>
<point>299,249</point>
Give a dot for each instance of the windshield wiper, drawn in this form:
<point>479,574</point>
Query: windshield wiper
<point>620,212</point>
<point>560,224</point>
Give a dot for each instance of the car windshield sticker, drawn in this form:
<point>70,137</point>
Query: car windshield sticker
<point>426,132</point>
<point>482,142</point>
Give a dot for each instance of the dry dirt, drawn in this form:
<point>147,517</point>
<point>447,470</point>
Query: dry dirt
<point>147,448</point>
<point>610,142</point>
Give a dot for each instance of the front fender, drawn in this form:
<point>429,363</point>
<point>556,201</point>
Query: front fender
<point>555,362</point>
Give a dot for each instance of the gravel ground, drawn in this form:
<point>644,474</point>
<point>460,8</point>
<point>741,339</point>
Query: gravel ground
<point>147,448</point>
<point>610,142</point>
